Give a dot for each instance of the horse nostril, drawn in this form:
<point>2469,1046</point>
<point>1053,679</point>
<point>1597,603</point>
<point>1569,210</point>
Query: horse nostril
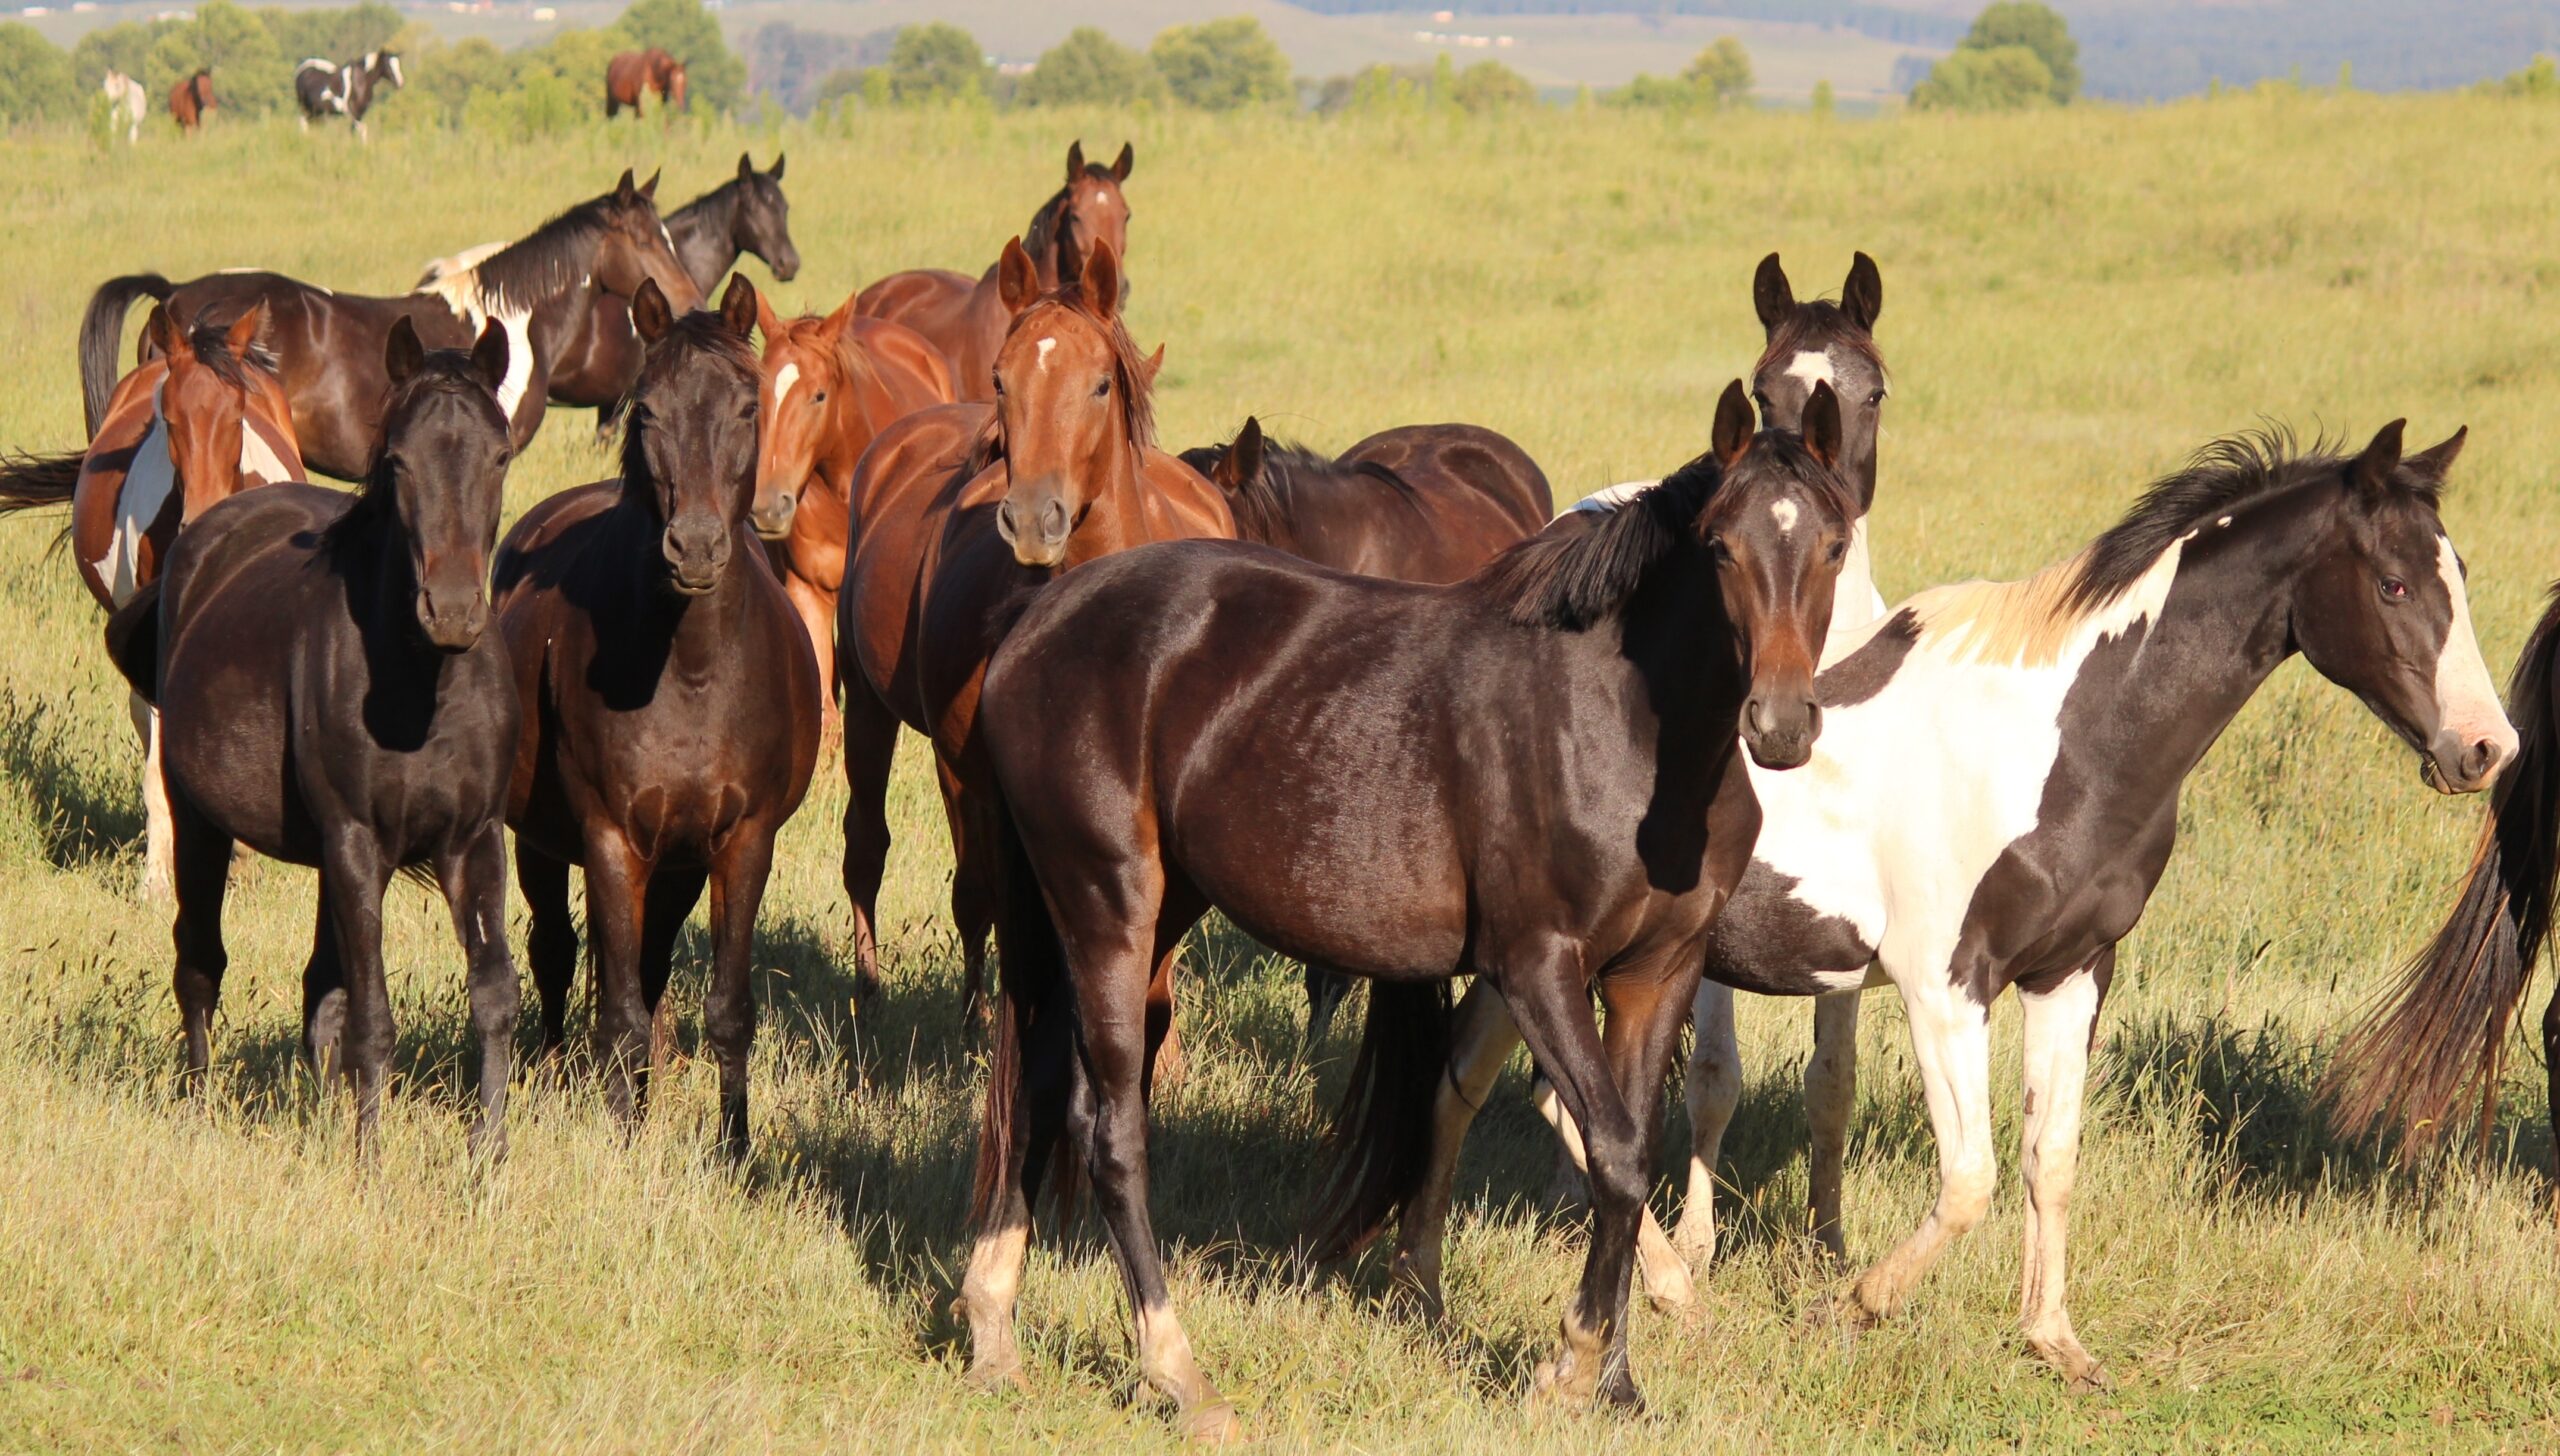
<point>1053,521</point>
<point>1755,715</point>
<point>2483,757</point>
<point>1004,521</point>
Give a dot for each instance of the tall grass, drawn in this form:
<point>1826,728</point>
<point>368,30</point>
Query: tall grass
<point>2072,302</point>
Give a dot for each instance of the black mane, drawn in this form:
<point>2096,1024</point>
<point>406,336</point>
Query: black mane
<point>551,258</point>
<point>1266,503</point>
<point>211,344</point>
<point>1574,581</point>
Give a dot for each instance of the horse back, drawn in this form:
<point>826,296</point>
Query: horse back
<point>913,372</point>
<point>1465,460</point>
<point>958,315</point>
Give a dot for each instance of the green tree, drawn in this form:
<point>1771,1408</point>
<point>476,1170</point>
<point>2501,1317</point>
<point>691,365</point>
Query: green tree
<point>1220,65</point>
<point>1491,86</point>
<point>1823,100</point>
<point>35,77</point>
<point>2539,81</point>
<point>2039,28</point>
<point>1089,68</point>
<point>936,62</point>
<point>2004,78</point>
<point>713,75</point>
<point>331,35</point>
<point>1722,71</point>
<point>250,75</point>
<point>125,47</point>
<point>443,79</point>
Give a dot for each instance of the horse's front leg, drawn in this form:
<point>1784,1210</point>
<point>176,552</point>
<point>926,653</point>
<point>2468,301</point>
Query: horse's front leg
<point>729,1008</point>
<point>475,893</point>
<point>352,877</point>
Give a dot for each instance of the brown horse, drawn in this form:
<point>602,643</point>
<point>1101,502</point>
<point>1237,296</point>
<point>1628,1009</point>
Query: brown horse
<point>205,420</point>
<point>670,704</point>
<point>957,508</point>
<point>966,317</point>
<point>831,385</point>
<point>191,102</point>
<point>631,73</point>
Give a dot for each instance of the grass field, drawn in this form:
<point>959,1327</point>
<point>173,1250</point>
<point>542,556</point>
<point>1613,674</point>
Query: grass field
<point>2072,302</point>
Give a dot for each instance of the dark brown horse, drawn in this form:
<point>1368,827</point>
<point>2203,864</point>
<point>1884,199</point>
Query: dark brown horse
<point>957,508</point>
<point>191,102</point>
<point>331,697</point>
<point>1545,755</point>
<point>329,345</point>
<point>966,317</point>
<point>631,73</point>
<point>671,704</point>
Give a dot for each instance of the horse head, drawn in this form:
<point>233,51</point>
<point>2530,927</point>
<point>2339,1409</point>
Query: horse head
<point>1072,410</point>
<point>228,421</point>
<point>690,451</point>
<point>441,472</point>
<point>761,221</point>
<point>635,248</point>
<point>1817,342</point>
<point>806,390</point>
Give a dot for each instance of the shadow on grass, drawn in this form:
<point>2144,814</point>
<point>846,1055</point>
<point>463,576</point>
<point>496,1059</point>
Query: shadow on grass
<point>48,756</point>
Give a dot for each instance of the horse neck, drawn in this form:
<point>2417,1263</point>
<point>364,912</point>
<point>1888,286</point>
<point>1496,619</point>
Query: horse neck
<point>1855,602</point>
<point>1119,515</point>
<point>702,231</point>
<point>1653,643</point>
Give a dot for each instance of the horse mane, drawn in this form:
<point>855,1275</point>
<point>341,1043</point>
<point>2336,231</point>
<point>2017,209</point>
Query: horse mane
<point>696,333</point>
<point>211,344</point>
<point>1572,582</point>
<point>1818,324</point>
<point>1265,504</point>
<point>537,266</point>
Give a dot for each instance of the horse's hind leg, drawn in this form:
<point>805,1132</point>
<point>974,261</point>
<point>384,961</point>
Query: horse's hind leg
<point>1480,1042</point>
<point>673,892</point>
<point>870,749</point>
<point>157,845</point>
<point>729,1008</point>
<point>1830,1096</point>
<point>201,874</point>
<point>2056,1022</point>
<point>352,876</point>
<point>1712,1090</point>
<point>2551,1069</point>
<point>552,944</point>
<point>1325,989</point>
<point>475,892</point>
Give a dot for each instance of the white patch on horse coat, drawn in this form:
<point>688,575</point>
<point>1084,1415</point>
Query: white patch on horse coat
<point>783,378</point>
<point>460,292</point>
<point>261,463</point>
<point>1784,512</point>
<point>1045,345</point>
<point>1609,498</point>
<point>2466,696</point>
<point>1813,366</point>
<point>148,483</point>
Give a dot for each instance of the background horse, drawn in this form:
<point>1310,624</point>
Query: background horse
<point>329,88</point>
<point>191,102</point>
<point>538,290</point>
<point>1545,754</point>
<point>126,102</point>
<point>966,317</point>
<point>332,698</point>
<point>630,73</point>
<point>671,705</point>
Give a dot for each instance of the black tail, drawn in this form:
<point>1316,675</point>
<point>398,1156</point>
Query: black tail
<point>1034,1042</point>
<point>102,337</point>
<point>1381,1140</point>
<point>2436,1044</point>
<point>133,641</point>
<point>32,482</point>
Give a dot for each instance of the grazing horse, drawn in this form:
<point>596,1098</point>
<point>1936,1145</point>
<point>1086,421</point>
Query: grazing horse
<point>331,698</point>
<point>328,88</point>
<point>1545,752</point>
<point>203,421</point>
<point>1996,795</point>
<point>831,385</point>
<point>955,509</point>
<point>538,290</point>
<point>670,704</point>
<point>630,73</point>
<point>966,317</point>
<point>191,102</point>
<point>126,103</point>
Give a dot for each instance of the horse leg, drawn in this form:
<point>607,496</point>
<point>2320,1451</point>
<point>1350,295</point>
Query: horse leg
<point>1712,1090</point>
<point>1668,1285</point>
<point>972,906</point>
<point>1480,1042</point>
<point>156,842</point>
<point>1325,989</point>
<point>201,874</point>
<point>2551,1065</point>
<point>1647,1007</point>
<point>551,946</point>
<point>870,748</point>
<point>817,611</point>
<point>324,998</point>
<point>475,894</point>
<point>352,876</point>
<point>672,895</point>
<point>1951,1041</point>
<point>729,1009</point>
<point>1830,1096</point>
<point>617,891</point>
<point>2058,1022</point>
<point>1166,1064</point>
<point>607,416</point>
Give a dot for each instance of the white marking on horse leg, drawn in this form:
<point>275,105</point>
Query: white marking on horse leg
<point>1951,1041</point>
<point>1481,1043</point>
<point>2056,1026</point>
<point>1712,1090</point>
<point>160,839</point>
<point>1165,1361</point>
<point>783,378</point>
<point>988,1291</point>
<point>1666,1275</point>
<point>1830,1096</point>
<point>1813,366</point>
<point>2466,696</point>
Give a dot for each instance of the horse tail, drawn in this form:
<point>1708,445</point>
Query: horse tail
<point>1034,1036</point>
<point>102,335</point>
<point>2436,1043</point>
<point>1381,1136</point>
<point>133,641</point>
<point>33,482</point>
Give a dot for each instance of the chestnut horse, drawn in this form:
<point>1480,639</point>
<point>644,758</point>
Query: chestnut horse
<point>191,102</point>
<point>966,317</point>
<point>631,73</point>
<point>831,385</point>
<point>959,507</point>
<point>1544,753</point>
<point>205,420</point>
<point>671,704</point>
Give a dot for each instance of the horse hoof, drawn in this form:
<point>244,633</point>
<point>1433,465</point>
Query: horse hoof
<point>997,1376</point>
<point>1413,1297</point>
<point>2092,1381</point>
<point>1213,1424</point>
<point>1843,1313</point>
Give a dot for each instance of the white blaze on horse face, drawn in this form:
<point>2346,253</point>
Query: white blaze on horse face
<point>1813,366</point>
<point>2466,696</point>
<point>783,378</point>
<point>1784,512</point>
<point>1045,345</point>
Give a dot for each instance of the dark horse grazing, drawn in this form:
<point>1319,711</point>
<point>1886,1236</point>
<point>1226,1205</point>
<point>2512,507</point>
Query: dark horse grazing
<point>670,704</point>
<point>631,73</point>
<point>966,317</point>
<point>329,345</point>
<point>191,102</point>
<point>1996,795</point>
<point>328,88</point>
<point>1544,752</point>
<point>330,697</point>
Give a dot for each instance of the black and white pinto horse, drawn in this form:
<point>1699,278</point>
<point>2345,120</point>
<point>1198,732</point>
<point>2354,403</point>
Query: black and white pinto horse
<point>1995,792</point>
<point>330,88</point>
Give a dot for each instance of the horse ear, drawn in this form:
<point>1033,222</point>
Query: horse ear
<point>2373,469</point>
<point>649,189</point>
<point>776,173</point>
<point>159,336</point>
<point>489,356</point>
<point>1120,168</point>
<point>623,189</point>
<point>1017,281</point>
<point>1242,464</point>
<point>402,354</point>
<point>1822,424</point>
<point>738,306</point>
<point>1733,426</point>
<point>768,322</point>
<point>245,330</point>
<point>746,168</point>
<point>1102,279</point>
<point>1862,297</point>
<point>650,313</point>
<point>2432,463</point>
<point>1772,297</point>
<point>1155,366</point>
<point>842,318</point>
<point>1075,160</point>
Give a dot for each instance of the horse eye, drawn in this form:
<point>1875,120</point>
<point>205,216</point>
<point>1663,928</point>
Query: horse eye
<point>1875,399</point>
<point>821,397</point>
<point>2395,589</point>
<point>1102,390</point>
<point>1839,550</point>
<point>1761,399</point>
<point>1719,552</point>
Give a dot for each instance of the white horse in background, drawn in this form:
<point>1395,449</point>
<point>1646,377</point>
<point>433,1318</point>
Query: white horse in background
<point>125,103</point>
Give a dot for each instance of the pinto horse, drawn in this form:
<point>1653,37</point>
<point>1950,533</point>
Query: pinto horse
<point>966,317</point>
<point>670,704</point>
<point>191,102</point>
<point>631,73</point>
<point>328,88</point>
<point>331,697</point>
<point>1915,852</point>
<point>1545,751</point>
<point>205,420</point>
<point>958,508</point>
<point>539,290</point>
<point>831,385</point>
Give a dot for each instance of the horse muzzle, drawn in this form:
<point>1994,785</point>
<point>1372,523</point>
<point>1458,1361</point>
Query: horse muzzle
<point>1779,728</point>
<point>786,267</point>
<point>696,557</point>
<point>2459,762</point>
<point>1037,532</point>
<point>453,620</point>
<point>773,513</point>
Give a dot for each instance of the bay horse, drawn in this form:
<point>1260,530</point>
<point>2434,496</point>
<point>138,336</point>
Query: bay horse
<point>191,102</point>
<point>204,421</point>
<point>670,704</point>
<point>539,290</point>
<point>331,697</point>
<point>330,88</point>
<point>966,317</point>
<point>1996,795</point>
<point>126,103</point>
<point>1545,751</point>
<point>830,386</point>
<point>630,73</point>
<point>958,508</point>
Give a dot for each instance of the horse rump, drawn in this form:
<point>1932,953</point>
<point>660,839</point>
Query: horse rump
<point>102,335</point>
<point>1380,1146</point>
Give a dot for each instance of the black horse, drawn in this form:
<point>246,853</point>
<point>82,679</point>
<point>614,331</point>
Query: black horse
<point>330,88</point>
<point>330,695</point>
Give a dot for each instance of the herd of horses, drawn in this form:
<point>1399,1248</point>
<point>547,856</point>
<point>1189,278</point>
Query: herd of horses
<point>323,89</point>
<point>1668,744</point>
